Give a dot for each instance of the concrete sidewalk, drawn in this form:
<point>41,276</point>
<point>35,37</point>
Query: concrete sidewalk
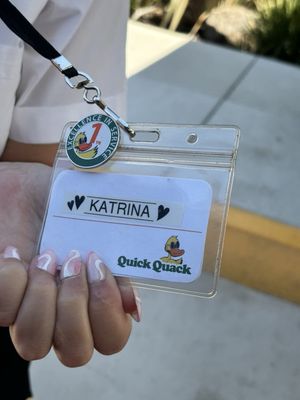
<point>201,83</point>
<point>242,345</point>
<point>206,84</point>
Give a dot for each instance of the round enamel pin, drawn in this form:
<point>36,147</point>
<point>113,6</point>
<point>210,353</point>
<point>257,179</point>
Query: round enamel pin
<point>92,141</point>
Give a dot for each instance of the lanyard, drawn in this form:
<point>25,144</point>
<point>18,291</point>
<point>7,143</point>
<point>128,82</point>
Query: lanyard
<point>17,23</point>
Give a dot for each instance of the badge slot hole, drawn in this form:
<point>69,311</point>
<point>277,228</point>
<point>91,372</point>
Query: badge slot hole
<point>146,136</point>
<point>192,138</point>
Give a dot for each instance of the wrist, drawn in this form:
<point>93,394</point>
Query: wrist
<point>25,152</point>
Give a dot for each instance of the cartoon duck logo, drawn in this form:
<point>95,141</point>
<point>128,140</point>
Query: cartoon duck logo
<point>92,141</point>
<point>84,149</point>
<point>172,247</point>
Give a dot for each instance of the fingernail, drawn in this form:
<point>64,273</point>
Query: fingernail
<point>11,252</point>
<point>72,265</point>
<point>47,262</point>
<point>95,268</point>
<point>136,315</point>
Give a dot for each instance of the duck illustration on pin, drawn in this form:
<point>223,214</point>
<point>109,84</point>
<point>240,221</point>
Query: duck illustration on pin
<point>172,247</point>
<point>84,149</point>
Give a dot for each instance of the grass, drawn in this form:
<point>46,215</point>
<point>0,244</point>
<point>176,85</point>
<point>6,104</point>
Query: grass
<point>278,30</point>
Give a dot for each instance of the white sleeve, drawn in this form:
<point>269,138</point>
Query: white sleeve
<point>92,35</point>
<point>11,55</point>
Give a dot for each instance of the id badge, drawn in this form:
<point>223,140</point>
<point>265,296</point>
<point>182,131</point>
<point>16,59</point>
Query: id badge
<point>152,203</point>
<point>155,212</point>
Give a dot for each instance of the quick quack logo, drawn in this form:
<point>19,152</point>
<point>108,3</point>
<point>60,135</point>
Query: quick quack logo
<point>92,141</point>
<point>172,248</point>
<point>173,262</point>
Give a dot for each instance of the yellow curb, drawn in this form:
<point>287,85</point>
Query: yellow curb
<point>262,254</point>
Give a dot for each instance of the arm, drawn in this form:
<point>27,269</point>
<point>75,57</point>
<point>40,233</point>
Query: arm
<point>24,152</point>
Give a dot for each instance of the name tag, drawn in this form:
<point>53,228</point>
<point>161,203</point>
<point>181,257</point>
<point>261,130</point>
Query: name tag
<point>141,226</point>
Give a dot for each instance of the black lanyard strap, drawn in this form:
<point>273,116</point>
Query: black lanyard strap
<point>17,23</point>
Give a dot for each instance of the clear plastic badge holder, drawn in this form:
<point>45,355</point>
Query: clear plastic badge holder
<point>156,212</point>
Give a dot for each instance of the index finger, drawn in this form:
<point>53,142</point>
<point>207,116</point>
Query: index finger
<point>110,325</point>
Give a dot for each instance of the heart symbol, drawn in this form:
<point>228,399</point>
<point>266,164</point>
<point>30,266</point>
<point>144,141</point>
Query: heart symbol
<point>162,212</point>
<point>79,201</point>
<point>71,204</point>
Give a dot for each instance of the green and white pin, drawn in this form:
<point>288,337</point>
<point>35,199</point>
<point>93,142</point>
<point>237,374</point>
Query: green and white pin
<point>92,141</point>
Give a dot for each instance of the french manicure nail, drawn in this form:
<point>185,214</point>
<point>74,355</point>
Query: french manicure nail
<point>136,315</point>
<point>47,262</point>
<point>11,252</point>
<point>72,265</point>
<point>95,268</point>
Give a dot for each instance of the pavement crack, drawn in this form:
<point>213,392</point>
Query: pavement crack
<point>230,90</point>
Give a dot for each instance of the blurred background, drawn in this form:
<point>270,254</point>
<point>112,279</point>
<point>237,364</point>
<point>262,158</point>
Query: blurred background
<point>267,27</point>
<point>216,62</point>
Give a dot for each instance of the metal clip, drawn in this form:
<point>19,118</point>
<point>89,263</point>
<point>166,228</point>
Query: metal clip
<point>61,63</point>
<point>81,83</point>
<point>123,124</point>
<point>96,98</point>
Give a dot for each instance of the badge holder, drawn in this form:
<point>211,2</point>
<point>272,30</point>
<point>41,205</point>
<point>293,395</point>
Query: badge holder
<point>151,202</point>
<point>156,212</point>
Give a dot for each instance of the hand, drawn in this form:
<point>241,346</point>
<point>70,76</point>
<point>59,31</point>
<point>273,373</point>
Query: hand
<point>23,194</point>
<point>24,190</point>
<point>85,310</point>
<point>76,314</point>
